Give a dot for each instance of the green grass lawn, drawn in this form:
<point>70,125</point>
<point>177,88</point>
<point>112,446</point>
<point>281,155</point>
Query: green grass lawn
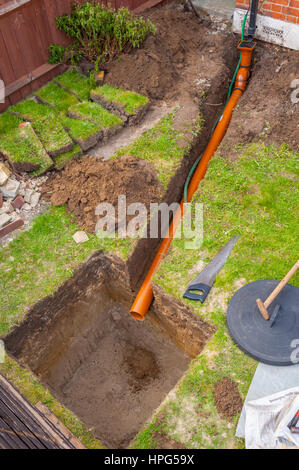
<point>129,100</point>
<point>159,146</point>
<point>254,195</point>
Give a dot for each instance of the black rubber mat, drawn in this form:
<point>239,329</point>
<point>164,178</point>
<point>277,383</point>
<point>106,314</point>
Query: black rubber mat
<point>274,344</point>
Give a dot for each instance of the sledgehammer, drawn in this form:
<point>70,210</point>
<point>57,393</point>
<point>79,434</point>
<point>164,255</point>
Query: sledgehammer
<point>264,305</point>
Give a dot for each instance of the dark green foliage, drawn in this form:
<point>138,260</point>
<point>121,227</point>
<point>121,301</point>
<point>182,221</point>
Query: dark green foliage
<point>99,33</point>
<point>56,54</point>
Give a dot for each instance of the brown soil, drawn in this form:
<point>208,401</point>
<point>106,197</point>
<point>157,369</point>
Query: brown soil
<point>266,108</point>
<point>157,67</point>
<point>169,63</point>
<point>165,442</point>
<point>184,59</point>
<point>85,183</point>
<point>227,398</point>
<point>141,366</point>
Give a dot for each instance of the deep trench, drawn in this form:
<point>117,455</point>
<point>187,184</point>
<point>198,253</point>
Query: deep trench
<point>145,251</point>
<point>110,370</point>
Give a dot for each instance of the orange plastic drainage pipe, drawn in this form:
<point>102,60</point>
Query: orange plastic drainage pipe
<point>145,295</point>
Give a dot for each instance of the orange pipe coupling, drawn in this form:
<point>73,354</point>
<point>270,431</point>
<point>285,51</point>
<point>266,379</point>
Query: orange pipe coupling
<point>145,295</point>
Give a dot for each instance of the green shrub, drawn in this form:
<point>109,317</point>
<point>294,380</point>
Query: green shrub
<point>99,33</point>
<point>56,54</point>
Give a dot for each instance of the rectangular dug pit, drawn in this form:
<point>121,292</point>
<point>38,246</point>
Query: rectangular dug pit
<point>110,370</point>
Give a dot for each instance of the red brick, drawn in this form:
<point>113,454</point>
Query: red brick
<point>291,11</point>
<point>242,3</point>
<point>277,16</point>
<point>11,227</point>
<point>276,8</point>
<point>18,202</point>
<point>266,6</point>
<point>292,19</point>
<point>281,2</point>
<point>294,3</point>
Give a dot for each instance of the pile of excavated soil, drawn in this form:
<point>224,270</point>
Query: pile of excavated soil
<point>85,183</point>
<point>227,398</point>
<point>186,52</point>
<point>266,109</point>
<point>156,68</point>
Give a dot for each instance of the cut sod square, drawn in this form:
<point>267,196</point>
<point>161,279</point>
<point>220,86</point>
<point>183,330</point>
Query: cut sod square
<point>46,124</point>
<point>25,151</point>
<point>53,136</point>
<point>53,95</point>
<point>127,104</point>
<point>109,123</point>
<point>30,110</point>
<point>61,160</point>
<point>73,82</point>
<point>84,133</point>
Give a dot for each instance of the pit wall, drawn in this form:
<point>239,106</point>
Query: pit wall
<point>277,21</point>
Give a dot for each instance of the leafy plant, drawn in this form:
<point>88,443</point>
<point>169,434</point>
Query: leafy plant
<point>56,54</point>
<point>99,33</point>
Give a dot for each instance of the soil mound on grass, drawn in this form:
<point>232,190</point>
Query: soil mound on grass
<point>227,398</point>
<point>85,183</point>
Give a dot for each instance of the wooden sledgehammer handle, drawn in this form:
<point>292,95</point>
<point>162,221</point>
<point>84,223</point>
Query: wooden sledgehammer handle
<point>264,305</point>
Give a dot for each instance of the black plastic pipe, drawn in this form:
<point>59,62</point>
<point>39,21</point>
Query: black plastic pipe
<point>252,21</point>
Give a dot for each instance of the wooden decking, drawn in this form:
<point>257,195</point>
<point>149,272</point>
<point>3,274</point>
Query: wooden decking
<point>23,426</point>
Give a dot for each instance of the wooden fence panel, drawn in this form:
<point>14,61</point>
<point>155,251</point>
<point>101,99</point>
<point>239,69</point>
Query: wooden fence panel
<point>27,28</point>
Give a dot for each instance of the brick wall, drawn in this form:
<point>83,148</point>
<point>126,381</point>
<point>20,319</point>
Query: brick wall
<point>285,10</point>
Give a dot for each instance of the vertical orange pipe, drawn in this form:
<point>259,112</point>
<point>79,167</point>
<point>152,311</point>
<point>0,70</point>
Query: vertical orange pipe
<point>145,295</point>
